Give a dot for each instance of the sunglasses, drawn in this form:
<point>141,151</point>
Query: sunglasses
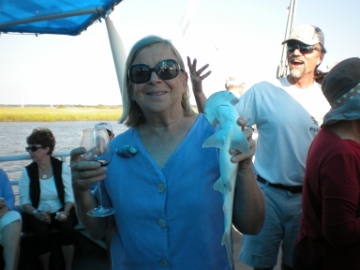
<point>33,148</point>
<point>166,70</point>
<point>302,48</point>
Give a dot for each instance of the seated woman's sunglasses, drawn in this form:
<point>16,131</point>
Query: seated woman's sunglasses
<point>33,148</point>
<point>166,70</point>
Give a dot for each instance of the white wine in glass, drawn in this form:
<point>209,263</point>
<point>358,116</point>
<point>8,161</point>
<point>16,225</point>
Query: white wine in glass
<point>97,144</point>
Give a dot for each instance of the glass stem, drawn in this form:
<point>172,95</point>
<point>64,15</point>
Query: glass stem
<point>100,196</point>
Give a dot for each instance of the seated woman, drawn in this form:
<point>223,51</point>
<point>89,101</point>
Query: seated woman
<point>46,183</point>
<point>329,236</point>
<point>10,224</point>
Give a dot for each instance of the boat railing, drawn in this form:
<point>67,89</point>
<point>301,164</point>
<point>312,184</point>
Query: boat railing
<point>63,155</point>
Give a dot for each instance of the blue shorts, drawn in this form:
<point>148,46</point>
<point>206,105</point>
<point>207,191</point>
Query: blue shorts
<point>281,227</point>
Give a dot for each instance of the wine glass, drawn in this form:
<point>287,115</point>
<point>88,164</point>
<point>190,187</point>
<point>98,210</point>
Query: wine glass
<point>97,144</point>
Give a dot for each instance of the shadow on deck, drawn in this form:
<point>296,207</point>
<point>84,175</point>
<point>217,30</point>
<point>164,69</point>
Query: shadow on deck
<point>89,255</point>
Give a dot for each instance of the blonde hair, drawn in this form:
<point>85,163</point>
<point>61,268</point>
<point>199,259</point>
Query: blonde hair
<point>132,113</point>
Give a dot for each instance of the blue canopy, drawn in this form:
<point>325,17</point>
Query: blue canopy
<point>61,17</point>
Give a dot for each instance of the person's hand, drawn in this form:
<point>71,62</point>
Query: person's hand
<point>245,161</point>
<point>84,173</point>
<point>61,216</point>
<point>195,75</point>
<point>43,217</point>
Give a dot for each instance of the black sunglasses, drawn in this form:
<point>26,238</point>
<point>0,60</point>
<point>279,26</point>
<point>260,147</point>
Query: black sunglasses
<point>302,48</point>
<point>166,70</point>
<point>33,148</point>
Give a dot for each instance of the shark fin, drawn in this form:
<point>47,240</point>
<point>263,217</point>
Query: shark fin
<point>219,186</point>
<point>240,143</point>
<point>216,140</point>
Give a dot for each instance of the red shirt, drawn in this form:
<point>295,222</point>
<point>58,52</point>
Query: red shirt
<point>330,223</point>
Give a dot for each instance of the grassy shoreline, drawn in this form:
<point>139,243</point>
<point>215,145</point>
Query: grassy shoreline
<point>60,113</point>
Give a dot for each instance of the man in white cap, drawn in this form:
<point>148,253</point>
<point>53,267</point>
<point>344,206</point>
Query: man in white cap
<point>287,114</point>
<point>235,86</point>
<point>108,127</point>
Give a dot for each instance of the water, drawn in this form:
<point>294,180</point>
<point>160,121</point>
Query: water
<point>67,134</point>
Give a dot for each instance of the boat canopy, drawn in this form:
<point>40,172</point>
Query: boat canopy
<point>60,17</point>
<point>64,17</point>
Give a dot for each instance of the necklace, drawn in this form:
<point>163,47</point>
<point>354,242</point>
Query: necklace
<point>44,176</point>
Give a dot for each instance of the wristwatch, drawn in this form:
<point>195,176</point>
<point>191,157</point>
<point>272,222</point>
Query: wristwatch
<point>34,212</point>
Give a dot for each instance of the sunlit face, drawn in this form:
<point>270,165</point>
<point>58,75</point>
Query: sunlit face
<point>158,95</point>
<point>304,63</point>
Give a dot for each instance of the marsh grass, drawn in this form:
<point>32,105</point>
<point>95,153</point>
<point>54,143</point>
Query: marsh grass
<point>60,113</point>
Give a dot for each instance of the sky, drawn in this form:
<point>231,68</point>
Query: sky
<point>235,37</point>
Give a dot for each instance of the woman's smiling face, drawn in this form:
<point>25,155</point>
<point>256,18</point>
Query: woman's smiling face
<point>158,95</point>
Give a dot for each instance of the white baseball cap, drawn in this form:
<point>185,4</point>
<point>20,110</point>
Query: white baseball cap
<point>106,125</point>
<point>307,34</point>
<point>233,81</point>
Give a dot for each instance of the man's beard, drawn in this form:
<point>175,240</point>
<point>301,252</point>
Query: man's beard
<point>296,73</point>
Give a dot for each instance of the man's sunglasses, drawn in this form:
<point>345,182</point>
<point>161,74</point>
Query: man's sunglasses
<point>302,48</point>
<point>166,70</point>
<point>33,148</point>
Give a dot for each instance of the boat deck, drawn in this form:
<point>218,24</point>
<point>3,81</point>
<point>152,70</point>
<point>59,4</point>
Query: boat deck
<point>90,255</point>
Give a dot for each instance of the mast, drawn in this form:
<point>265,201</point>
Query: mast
<point>283,65</point>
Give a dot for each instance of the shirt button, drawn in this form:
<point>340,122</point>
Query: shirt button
<point>161,187</point>
<point>163,263</point>
<point>162,223</point>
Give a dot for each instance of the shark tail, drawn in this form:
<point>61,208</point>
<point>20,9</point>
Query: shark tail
<point>227,241</point>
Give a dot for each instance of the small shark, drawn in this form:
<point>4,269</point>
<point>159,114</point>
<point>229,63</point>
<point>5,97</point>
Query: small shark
<point>220,109</point>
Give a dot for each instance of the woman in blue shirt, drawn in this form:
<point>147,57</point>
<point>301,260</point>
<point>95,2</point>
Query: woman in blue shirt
<point>168,214</point>
<point>10,224</point>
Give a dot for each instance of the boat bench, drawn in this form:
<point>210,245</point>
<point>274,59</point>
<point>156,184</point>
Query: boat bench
<point>78,227</point>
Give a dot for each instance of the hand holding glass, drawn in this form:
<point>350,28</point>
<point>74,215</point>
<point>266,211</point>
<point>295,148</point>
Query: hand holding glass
<point>97,145</point>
